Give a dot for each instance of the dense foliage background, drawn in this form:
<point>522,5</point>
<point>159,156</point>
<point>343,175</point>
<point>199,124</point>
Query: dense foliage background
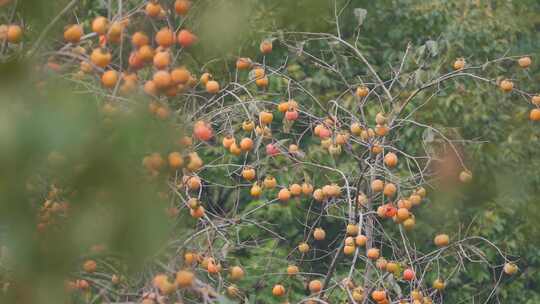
<point>501,204</point>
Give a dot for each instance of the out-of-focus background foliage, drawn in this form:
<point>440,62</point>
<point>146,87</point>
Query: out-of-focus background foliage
<point>53,126</point>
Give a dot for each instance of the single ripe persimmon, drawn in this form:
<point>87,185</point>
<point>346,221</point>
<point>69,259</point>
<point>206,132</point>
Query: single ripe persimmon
<point>295,189</point>
<point>165,38</point>
<point>390,159</point>
<point>90,266</point>
<point>246,144</point>
<point>377,185</point>
<point>175,160</point>
<point>362,91</point>
<point>180,75</point>
<point>243,64</point>
<point>184,278</point>
<point>534,115</point>
<point>535,100</point>
<point>197,212</point>
<point>109,79</point>
<point>150,88</point>
<point>373,253</point>
<point>186,38</point>
<point>73,33</point>
<point>236,273</point>
<point>307,188</point>
<point>249,173</point>
<point>438,284</point>
<point>378,295</point>
<point>115,33</point>
<point>315,286</point>
<point>162,79</point>
<point>262,82</point>
<point>525,62</point>
<point>153,9</point>
<point>441,240</point>
<point>360,240</point>
<point>146,53</point>
<point>278,290</point>
<point>100,57</point>
<point>202,131</point>
<point>284,195</point>
<point>255,190</point>
<point>266,47</point>
<point>269,182</point>
<point>100,25</point>
<point>506,85</point>
<point>510,268</point>
<point>459,64</point>
<point>228,141</point>
<point>265,117</point>
<point>319,234</point>
<point>349,249</point>
<point>248,125</point>
<point>303,247</point>
<point>291,115</point>
<point>212,87</point>
<point>352,229</point>
<point>408,274</point>
<point>181,7</point>
<point>139,39</point>
<point>292,270</point>
<point>389,190</point>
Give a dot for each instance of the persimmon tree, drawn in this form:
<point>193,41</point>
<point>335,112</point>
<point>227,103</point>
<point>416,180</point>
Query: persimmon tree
<point>290,193</point>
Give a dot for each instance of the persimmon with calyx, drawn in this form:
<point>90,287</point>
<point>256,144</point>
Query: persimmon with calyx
<point>319,234</point>
<point>186,38</point>
<point>378,295</point>
<point>360,240</point>
<point>162,79</point>
<point>248,125</point>
<point>535,100</point>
